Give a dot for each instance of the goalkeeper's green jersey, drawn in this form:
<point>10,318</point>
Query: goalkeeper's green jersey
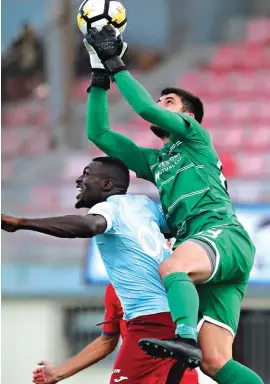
<point>186,171</point>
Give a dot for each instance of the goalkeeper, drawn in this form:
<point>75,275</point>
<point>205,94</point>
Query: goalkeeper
<point>212,248</point>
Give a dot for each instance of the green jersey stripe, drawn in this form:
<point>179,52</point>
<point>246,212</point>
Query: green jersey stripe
<point>187,195</point>
<point>173,176</point>
<point>154,165</point>
<point>174,146</point>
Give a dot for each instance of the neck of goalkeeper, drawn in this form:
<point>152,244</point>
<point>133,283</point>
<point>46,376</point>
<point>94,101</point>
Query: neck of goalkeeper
<point>165,140</point>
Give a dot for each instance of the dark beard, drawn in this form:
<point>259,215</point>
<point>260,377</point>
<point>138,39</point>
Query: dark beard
<point>159,132</point>
<point>79,204</point>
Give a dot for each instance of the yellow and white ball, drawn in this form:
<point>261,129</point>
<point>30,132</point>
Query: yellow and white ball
<point>97,13</point>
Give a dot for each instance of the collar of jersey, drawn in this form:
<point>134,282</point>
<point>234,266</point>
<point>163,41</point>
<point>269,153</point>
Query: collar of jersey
<point>167,146</point>
<point>111,197</point>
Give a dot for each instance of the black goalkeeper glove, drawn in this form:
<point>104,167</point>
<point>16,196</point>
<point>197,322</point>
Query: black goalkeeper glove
<point>108,47</point>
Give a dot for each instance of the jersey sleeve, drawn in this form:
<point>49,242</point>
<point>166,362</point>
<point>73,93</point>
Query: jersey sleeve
<point>179,125</point>
<point>112,317</point>
<point>113,143</point>
<point>109,211</point>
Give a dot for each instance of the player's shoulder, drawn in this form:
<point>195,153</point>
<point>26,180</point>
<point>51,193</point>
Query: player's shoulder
<point>195,130</point>
<point>127,199</point>
<point>111,205</point>
<point>150,154</point>
<point>130,204</point>
<point>145,201</point>
<point>109,210</point>
<point>154,208</point>
<point>103,206</point>
<point>148,151</point>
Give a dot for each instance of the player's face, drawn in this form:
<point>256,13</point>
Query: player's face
<point>89,186</point>
<point>173,103</point>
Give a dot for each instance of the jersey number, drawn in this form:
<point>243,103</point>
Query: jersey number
<point>222,177</point>
<point>213,233</point>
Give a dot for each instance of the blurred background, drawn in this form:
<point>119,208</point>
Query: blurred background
<point>52,290</point>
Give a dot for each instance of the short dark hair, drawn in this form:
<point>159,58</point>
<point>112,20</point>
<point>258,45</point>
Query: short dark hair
<point>191,103</point>
<point>117,170</point>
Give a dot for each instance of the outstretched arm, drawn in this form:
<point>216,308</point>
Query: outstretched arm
<point>69,227</point>
<point>141,101</point>
<point>90,355</point>
<point>94,352</point>
<point>113,143</point>
<point>106,46</point>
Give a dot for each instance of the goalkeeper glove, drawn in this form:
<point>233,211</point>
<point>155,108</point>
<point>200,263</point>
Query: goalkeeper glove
<point>108,45</point>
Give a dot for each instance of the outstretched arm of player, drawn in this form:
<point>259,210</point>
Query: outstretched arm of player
<point>97,123</point>
<point>106,44</point>
<point>69,226</point>
<point>113,143</point>
<point>145,106</point>
<point>94,352</point>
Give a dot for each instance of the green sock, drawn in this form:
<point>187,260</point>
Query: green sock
<point>235,373</point>
<point>184,303</point>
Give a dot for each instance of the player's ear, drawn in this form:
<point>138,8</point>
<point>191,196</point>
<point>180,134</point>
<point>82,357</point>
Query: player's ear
<point>107,184</point>
<point>190,114</point>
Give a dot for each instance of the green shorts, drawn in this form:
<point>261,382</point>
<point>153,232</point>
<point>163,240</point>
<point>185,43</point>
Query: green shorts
<point>222,294</point>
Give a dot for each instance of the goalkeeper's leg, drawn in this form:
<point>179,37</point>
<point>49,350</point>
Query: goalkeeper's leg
<point>190,261</point>
<point>216,346</point>
<point>217,257</point>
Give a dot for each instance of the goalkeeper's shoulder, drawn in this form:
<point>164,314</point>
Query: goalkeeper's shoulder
<point>149,152</point>
<point>194,130</point>
<point>145,163</point>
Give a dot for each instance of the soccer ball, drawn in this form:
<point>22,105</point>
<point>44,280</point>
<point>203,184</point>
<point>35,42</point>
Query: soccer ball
<point>97,13</point>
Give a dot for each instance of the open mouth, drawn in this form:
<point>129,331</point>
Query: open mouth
<point>79,192</point>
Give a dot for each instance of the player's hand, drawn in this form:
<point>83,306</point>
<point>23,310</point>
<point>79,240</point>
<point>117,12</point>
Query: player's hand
<point>105,43</point>
<point>45,374</point>
<point>99,78</point>
<point>108,46</point>
<point>9,223</point>
<point>95,59</point>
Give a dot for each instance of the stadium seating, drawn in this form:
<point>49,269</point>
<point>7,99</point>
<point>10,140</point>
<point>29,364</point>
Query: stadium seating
<point>234,85</point>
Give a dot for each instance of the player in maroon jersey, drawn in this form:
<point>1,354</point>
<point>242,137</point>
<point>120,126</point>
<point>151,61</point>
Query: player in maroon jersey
<point>113,327</point>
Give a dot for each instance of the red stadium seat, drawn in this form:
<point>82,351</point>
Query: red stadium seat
<point>240,57</point>
<point>194,81</point>
<point>215,111</point>
<point>258,31</point>
<point>258,138</point>
<point>253,165</point>
<point>230,138</point>
<point>225,57</point>
<point>229,167</point>
<point>239,112</point>
<point>254,57</point>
